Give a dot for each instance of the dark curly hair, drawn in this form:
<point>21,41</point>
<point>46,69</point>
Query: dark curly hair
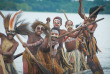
<point>36,23</point>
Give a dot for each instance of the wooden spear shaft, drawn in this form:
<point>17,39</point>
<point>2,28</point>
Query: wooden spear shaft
<point>65,15</point>
<point>2,15</point>
<point>80,27</point>
<point>32,56</point>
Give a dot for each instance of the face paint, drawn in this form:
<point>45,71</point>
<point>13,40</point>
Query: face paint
<point>11,32</point>
<point>55,33</point>
<point>69,24</point>
<point>57,22</point>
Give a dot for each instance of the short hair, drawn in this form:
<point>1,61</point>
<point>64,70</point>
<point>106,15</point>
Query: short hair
<point>92,9</point>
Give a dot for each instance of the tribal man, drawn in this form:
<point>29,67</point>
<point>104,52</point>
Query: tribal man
<point>49,51</point>
<point>73,54</point>
<point>8,44</point>
<point>33,43</point>
<point>92,59</point>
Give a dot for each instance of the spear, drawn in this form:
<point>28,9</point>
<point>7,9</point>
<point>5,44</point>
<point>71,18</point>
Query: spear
<point>44,70</point>
<point>101,6</point>
<point>81,27</point>
<point>65,15</point>
<point>2,15</point>
<point>51,50</point>
<point>67,20</point>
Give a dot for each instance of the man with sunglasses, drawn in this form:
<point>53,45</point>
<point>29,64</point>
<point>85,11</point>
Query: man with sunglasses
<point>92,59</point>
<point>33,43</point>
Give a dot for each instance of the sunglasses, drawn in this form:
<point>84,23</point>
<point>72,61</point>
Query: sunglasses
<point>40,28</point>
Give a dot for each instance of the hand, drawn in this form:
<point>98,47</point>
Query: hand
<point>48,19</point>
<point>24,44</point>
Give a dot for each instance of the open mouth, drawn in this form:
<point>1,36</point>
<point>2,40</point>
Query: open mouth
<point>39,31</point>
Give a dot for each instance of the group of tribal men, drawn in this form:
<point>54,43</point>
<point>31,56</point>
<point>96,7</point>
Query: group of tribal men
<point>49,52</point>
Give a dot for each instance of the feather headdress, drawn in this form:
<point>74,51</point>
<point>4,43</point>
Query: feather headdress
<point>14,25</point>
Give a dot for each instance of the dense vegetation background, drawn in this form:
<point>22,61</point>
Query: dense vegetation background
<point>52,5</point>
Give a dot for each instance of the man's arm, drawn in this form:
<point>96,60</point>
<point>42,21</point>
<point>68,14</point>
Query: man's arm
<point>79,11</point>
<point>44,47</point>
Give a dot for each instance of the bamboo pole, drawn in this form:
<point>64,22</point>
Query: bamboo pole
<point>81,27</point>
<point>32,56</point>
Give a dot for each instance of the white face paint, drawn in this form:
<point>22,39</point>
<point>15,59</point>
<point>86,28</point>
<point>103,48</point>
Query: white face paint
<point>69,25</point>
<point>57,22</point>
<point>54,33</point>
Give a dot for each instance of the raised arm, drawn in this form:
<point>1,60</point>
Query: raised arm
<point>44,46</point>
<point>79,11</point>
